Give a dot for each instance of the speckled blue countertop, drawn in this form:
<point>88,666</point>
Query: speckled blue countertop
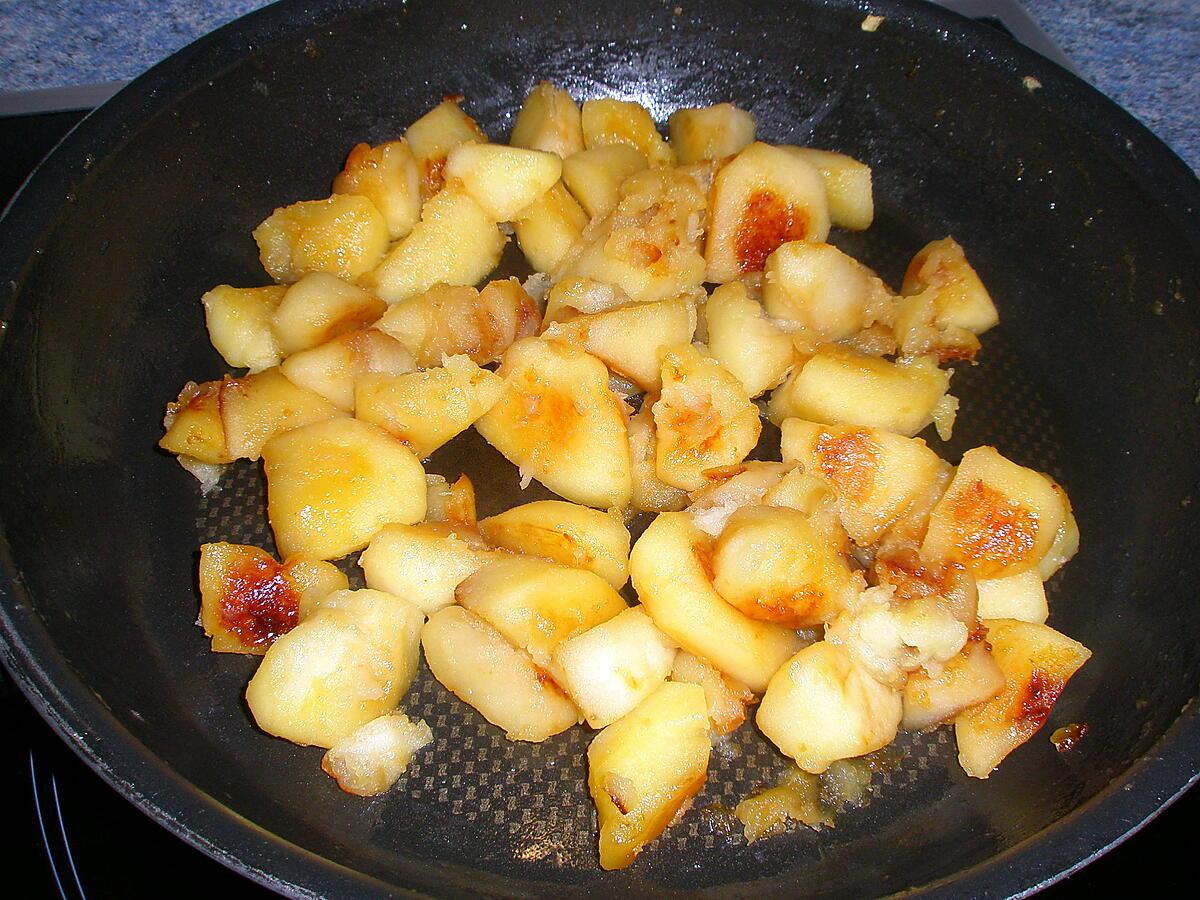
<point>1145,54</point>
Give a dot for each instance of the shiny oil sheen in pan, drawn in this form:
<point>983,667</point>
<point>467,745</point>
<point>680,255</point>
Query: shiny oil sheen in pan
<point>1083,379</point>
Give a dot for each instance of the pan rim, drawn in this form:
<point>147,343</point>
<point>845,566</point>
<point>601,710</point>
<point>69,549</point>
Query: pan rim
<point>1124,806</point>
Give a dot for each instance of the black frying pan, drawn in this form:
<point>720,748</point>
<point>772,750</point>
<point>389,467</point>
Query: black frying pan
<point>1080,221</point>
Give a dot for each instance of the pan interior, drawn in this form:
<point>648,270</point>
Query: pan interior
<point>1091,376</point>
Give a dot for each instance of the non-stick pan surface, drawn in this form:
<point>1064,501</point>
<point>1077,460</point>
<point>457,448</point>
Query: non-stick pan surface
<point>1082,224</point>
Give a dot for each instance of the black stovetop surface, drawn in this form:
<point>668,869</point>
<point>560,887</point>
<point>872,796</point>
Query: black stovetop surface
<point>72,836</point>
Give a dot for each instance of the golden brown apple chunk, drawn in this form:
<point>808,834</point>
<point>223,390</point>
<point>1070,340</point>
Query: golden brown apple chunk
<point>332,485</point>
<point>558,422</point>
<point>645,766</point>
<point>703,418</point>
<point>247,599</point>
<point>344,235</point>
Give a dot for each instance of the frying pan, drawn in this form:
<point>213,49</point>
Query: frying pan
<point>1082,224</point>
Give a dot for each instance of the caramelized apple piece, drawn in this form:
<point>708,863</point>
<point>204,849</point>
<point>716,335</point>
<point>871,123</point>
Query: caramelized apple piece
<point>644,767</point>
<point>549,120</point>
<point>318,308</point>
<point>247,599</point>
<point>594,176</point>
<point>703,418</point>
<point>372,758</point>
<point>565,533</point>
<point>332,485</point>
<point>606,122</point>
<point>346,663</point>
<point>455,242</point>
<point>503,180</point>
<point>388,176</point>
<point>822,706</point>
<point>474,662</point>
<point>611,668</point>
<point>764,198</point>
<point>548,228</point>
<point>239,325</point>
<point>969,678</point>
<point>422,563</point>
<point>840,387</point>
<point>434,135</point>
<point>997,518</point>
<point>537,605</point>
<point>447,320</point>
<point>334,368</point>
<point>875,475</point>
<point>847,186</point>
<point>427,409</point>
<point>1037,663</point>
<point>559,423</point>
<point>710,132</point>
<point>344,235</point>
<point>256,408</point>
<point>650,493</point>
<point>629,339</point>
<point>745,341</point>
<point>670,566</point>
<point>772,565</point>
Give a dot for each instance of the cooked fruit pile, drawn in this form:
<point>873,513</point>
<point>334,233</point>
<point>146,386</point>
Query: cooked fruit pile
<point>857,586</point>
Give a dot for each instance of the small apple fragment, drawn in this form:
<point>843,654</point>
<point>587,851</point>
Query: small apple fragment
<point>474,662</point>
<point>247,599</point>
<point>773,565</point>
<point>821,706</point>
<point>318,308</point>
<point>838,386</point>
<point>503,180</point>
<point>629,339</point>
<point>349,661</point>
<point>650,493</point>
<point>434,135</point>
<point>941,269</point>
<point>332,485</point>
<point>847,186</point>
<point>565,533</point>
<point>558,422</point>
<point>371,759</point>
<point>455,242</point>
<point>344,235</point>
<point>710,132</point>
<point>821,292</point>
<point>727,698</point>
<point>334,368</point>
<point>670,566</point>
<point>650,244</point>
<point>764,198</point>
<point>703,418</point>
<point>446,320</point>
<point>427,409</point>
<point>797,798</point>
<point>1021,597</point>
<point>607,122</point>
<point>969,678</point>
<point>875,475</point>
<point>193,426</point>
<point>239,325</point>
<point>451,504</point>
<point>537,605</point>
<point>755,350</point>
<point>548,228</point>
<point>594,176</point>
<point>997,518</point>
<point>422,563</point>
<point>548,120</point>
<point>388,176</point>
<point>1037,663</point>
<point>611,668</point>
<point>256,408</point>
<point>645,766</point>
